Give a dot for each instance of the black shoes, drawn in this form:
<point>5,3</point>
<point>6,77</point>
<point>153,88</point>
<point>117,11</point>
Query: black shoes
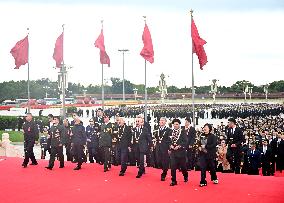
<point>24,165</point>
<point>185,179</point>
<point>106,169</point>
<point>121,174</point>
<point>48,167</point>
<point>163,178</point>
<point>139,175</point>
<point>34,164</point>
<point>202,184</point>
<point>77,168</point>
<point>61,166</point>
<point>173,183</point>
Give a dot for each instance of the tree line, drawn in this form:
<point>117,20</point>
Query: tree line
<point>42,88</point>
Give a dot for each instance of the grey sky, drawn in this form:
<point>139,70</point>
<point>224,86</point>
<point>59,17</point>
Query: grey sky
<point>244,39</point>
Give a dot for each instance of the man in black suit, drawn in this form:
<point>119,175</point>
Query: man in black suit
<point>30,133</point>
<point>275,153</point>
<point>266,154</point>
<point>123,144</point>
<point>162,137</point>
<point>254,156</point>
<point>178,145</point>
<point>191,135</point>
<point>235,138</point>
<point>57,140</point>
<point>144,142</point>
<point>78,141</point>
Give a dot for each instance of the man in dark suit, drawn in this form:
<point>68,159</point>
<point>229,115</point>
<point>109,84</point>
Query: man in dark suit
<point>191,136</point>
<point>30,133</point>
<point>266,154</point>
<point>162,137</point>
<point>254,156</point>
<point>123,144</point>
<point>178,145</point>
<point>235,138</point>
<point>57,140</point>
<point>78,141</point>
<point>92,140</point>
<point>144,142</point>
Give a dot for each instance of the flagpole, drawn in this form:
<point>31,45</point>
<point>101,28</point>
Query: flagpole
<point>103,91</point>
<point>63,70</point>
<point>29,94</point>
<point>145,113</point>
<point>192,79</point>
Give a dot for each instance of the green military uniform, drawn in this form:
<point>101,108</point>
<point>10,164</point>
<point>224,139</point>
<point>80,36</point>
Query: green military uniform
<point>105,143</point>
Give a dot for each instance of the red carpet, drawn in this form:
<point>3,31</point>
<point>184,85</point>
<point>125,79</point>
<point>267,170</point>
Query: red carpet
<point>91,184</point>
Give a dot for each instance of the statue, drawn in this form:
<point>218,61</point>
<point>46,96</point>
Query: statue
<point>214,89</point>
<point>163,87</point>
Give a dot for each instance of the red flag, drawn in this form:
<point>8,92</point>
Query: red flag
<point>147,52</point>
<point>58,51</point>
<point>197,45</point>
<point>100,43</point>
<point>20,52</point>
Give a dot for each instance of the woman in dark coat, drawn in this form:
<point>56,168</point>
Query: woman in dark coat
<point>207,154</point>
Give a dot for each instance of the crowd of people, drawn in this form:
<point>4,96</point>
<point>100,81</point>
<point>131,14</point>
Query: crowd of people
<point>243,145</point>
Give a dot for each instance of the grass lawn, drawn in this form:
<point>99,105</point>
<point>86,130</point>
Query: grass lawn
<point>15,136</point>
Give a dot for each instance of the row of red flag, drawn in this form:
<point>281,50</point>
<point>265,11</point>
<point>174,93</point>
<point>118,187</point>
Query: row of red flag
<point>20,51</point>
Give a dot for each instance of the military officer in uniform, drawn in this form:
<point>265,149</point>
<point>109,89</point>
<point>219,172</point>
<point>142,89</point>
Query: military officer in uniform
<point>177,151</point>
<point>162,137</point>
<point>105,141</point>
<point>30,133</point>
<point>92,139</point>
<point>56,143</point>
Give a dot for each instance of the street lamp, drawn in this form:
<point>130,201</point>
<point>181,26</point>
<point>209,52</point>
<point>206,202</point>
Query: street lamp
<point>46,88</point>
<point>123,88</point>
<point>62,84</point>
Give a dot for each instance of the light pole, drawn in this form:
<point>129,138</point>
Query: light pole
<point>46,88</point>
<point>123,87</point>
<point>62,84</point>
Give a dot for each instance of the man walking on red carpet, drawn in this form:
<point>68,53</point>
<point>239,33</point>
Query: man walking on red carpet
<point>78,142</point>
<point>143,136</point>
<point>56,143</point>
<point>30,133</point>
<point>177,151</point>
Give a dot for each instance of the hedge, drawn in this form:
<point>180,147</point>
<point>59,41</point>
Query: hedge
<point>13,122</point>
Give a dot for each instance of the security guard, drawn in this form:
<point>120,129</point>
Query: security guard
<point>56,143</point>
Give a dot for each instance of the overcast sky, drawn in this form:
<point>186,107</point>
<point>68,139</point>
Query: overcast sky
<point>245,39</point>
